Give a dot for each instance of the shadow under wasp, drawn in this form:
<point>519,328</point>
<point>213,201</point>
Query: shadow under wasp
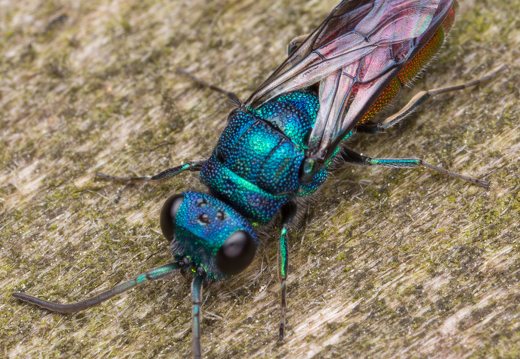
<point>279,144</point>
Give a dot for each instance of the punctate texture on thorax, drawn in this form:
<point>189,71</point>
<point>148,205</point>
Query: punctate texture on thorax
<point>256,164</point>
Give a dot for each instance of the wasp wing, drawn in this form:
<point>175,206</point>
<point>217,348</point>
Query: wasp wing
<point>353,54</point>
<point>341,21</point>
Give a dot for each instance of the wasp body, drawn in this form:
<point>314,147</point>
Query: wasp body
<point>256,165</point>
<point>280,143</point>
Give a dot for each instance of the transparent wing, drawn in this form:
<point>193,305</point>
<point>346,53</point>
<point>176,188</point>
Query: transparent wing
<point>352,54</point>
<point>291,73</point>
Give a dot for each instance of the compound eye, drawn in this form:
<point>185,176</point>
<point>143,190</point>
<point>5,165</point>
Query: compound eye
<point>168,215</point>
<point>236,253</point>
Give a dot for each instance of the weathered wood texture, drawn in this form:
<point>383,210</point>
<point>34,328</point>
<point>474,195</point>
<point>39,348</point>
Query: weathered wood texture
<point>387,263</point>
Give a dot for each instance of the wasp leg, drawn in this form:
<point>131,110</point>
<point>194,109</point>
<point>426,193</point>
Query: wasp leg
<point>288,214</point>
<point>230,95</point>
<point>196,300</point>
<point>295,43</point>
<point>421,98</point>
<point>357,158</point>
<point>166,174</point>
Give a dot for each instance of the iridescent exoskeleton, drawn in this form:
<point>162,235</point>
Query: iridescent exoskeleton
<point>278,145</point>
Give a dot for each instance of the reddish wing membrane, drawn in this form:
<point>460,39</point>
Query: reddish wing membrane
<point>353,54</point>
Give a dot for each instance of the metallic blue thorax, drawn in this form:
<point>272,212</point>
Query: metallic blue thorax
<point>256,164</point>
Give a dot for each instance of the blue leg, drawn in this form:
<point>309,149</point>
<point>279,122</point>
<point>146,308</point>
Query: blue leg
<point>357,158</point>
<point>288,214</point>
<point>166,174</point>
<point>196,299</point>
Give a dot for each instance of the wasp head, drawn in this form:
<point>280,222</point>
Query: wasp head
<point>208,235</point>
